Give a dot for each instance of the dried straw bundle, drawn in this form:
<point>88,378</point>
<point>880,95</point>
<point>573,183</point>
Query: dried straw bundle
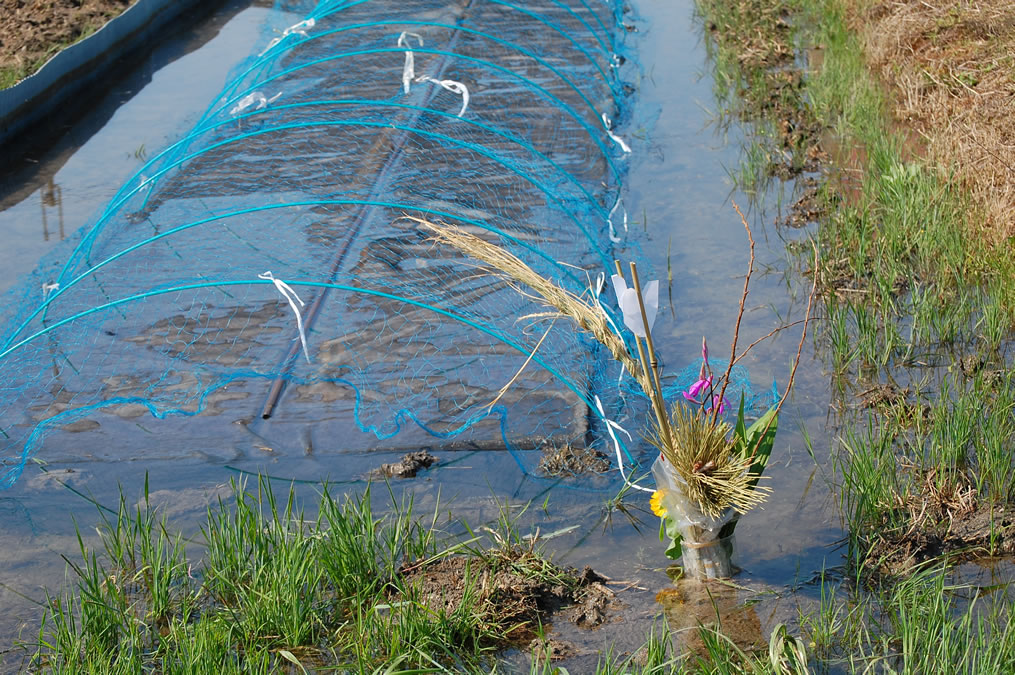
<point>714,470</point>
<point>697,445</point>
<point>582,311</point>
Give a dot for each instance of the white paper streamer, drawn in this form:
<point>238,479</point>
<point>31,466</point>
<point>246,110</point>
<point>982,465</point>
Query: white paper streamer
<point>610,426</point>
<point>627,298</point>
<point>597,291</point>
<point>409,69</point>
<point>609,220</point>
<point>608,123</point>
<point>453,86</point>
<point>290,295</point>
<point>295,29</point>
<point>250,99</point>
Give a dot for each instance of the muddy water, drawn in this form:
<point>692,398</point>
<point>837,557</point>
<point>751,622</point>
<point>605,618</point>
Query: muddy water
<point>679,194</point>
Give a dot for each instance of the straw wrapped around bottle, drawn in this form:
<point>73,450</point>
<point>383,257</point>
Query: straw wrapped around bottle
<point>706,555</point>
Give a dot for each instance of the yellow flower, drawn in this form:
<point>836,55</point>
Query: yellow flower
<point>656,502</point>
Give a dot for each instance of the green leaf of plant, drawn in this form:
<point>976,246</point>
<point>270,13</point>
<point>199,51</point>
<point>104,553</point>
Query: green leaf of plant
<point>674,550</point>
<point>762,447</point>
<point>740,430</point>
<point>291,658</point>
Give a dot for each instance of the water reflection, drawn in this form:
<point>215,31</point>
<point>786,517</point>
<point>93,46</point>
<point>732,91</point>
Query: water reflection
<point>52,196</point>
<point>689,605</point>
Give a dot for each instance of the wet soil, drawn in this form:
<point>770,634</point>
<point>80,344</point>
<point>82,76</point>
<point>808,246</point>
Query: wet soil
<point>407,467</point>
<point>759,35</point>
<point>568,461</point>
<point>515,591</point>
<point>31,31</point>
<point>951,523</point>
<point>809,208</point>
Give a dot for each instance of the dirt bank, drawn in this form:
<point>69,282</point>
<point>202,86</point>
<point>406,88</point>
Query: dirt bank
<point>32,31</point>
<point>948,68</point>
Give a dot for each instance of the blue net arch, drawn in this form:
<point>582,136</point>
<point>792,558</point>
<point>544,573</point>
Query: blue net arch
<point>256,289</point>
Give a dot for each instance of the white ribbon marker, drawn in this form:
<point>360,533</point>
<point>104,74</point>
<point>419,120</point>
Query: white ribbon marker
<point>609,220</point>
<point>49,288</point>
<point>409,69</point>
<point>627,298</point>
<point>597,291</point>
<point>250,99</point>
<point>608,124</point>
<point>454,87</point>
<point>610,426</point>
<point>290,295</point>
<point>295,29</point>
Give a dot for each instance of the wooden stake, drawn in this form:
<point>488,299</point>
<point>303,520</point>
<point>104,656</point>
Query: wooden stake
<point>651,350</point>
<point>655,392</point>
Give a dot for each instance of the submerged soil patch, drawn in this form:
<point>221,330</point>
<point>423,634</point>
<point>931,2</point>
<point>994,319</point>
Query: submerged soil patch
<point>948,522</point>
<point>570,461</point>
<point>514,591</point>
<point>756,62</point>
<point>31,31</point>
<point>407,467</point>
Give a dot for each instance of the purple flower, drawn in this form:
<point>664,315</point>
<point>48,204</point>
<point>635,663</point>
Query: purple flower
<point>697,388</point>
<point>723,404</point>
<point>704,349</point>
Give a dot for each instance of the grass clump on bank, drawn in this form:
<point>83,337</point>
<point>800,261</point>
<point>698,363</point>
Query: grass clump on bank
<point>924,623</point>
<point>923,310</point>
<point>347,591</point>
<point>274,591</point>
<point>918,303</point>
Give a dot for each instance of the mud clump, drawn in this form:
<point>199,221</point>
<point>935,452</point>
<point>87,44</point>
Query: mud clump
<point>811,207</point>
<point>514,590</point>
<point>407,467</point>
<point>951,523</point>
<point>591,610</point>
<point>552,649</point>
<point>568,461</point>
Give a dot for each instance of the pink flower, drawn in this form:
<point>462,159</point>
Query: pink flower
<point>723,404</point>
<point>696,388</point>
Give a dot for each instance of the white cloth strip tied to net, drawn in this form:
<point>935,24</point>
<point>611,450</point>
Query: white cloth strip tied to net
<point>250,99</point>
<point>608,125</point>
<point>610,426</point>
<point>292,298</point>
<point>296,29</point>
<point>453,86</point>
<point>609,220</point>
<point>409,69</point>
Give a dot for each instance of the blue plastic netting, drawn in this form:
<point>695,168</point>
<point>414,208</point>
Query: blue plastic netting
<point>160,334</point>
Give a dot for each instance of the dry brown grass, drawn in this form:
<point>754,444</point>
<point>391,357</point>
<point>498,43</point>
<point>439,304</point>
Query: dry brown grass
<point>697,444</point>
<point>951,67</point>
<point>583,311</point>
<point>716,474</point>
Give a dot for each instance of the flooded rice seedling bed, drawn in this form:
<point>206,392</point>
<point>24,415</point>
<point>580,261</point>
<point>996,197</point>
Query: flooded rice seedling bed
<point>260,304</point>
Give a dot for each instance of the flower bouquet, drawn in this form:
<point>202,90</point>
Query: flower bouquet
<point>707,471</point>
